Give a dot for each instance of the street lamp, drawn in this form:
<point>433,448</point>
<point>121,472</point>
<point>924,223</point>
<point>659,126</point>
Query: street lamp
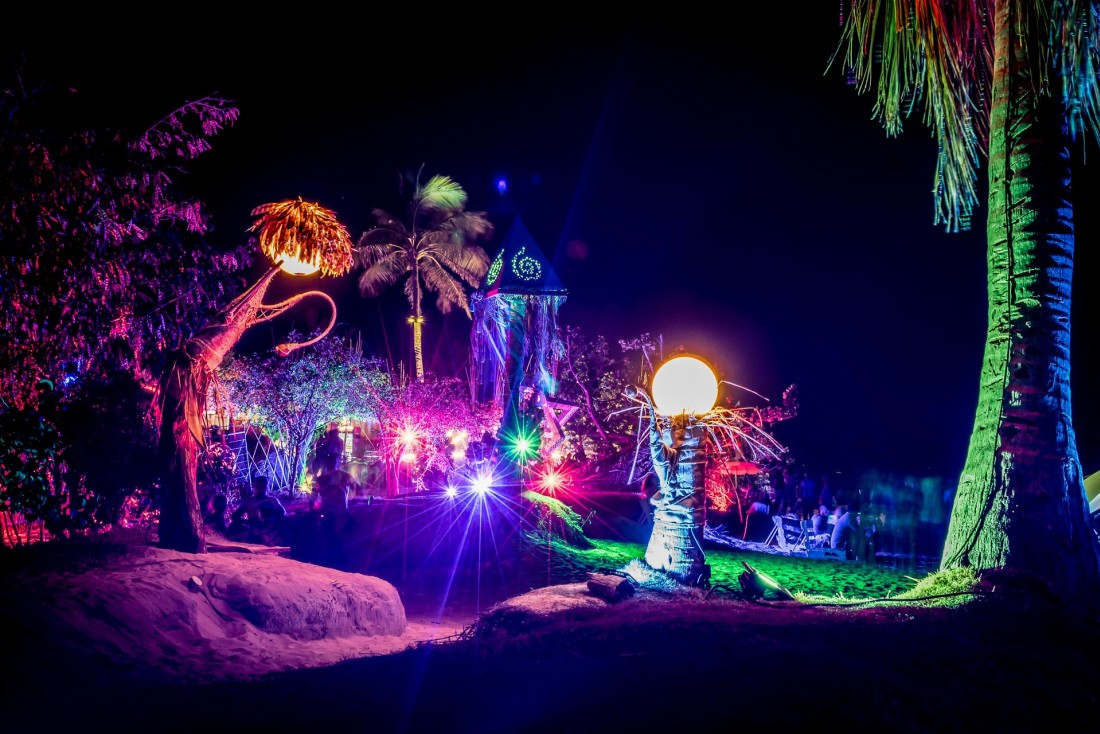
<point>684,389</point>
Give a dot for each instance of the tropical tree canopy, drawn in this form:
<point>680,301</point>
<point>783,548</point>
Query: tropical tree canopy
<point>938,56</point>
<point>104,259</point>
<point>435,249</point>
<point>1016,81</point>
<point>292,398</point>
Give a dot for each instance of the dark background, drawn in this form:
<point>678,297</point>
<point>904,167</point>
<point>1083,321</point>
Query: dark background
<point>707,181</point>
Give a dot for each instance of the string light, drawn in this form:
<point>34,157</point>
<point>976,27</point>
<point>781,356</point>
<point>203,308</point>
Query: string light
<point>526,267</point>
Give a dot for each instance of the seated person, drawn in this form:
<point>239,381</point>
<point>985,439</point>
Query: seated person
<point>216,515</point>
<point>257,515</point>
<point>333,489</point>
<point>846,525</point>
<point>758,517</point>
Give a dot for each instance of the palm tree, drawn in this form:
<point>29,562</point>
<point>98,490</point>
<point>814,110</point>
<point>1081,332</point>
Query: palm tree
<point>434,250</point>
<point>299,236</point>
<point>1015,81</point>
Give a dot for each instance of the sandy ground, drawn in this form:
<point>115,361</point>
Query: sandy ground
<point>142,639</point>
<point>233,615</point>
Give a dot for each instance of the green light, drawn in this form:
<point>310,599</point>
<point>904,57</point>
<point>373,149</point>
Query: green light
<point>523,445</point>
<point>526,267</point>
<point>494,269</point>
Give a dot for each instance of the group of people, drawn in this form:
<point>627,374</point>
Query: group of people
<point>901,516</point>
<point>256,519</point>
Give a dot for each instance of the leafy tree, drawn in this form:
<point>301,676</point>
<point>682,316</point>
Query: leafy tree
<point>434,250</point>
<point>104,262</point>
<point>105,268</point>
<point>293,398</point>
<point>595,378</point>
<point>1015,82</point>
<point>55,470</point>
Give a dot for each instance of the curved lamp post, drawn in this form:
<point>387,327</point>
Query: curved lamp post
<point>301,238</point>
<point>684,389</point>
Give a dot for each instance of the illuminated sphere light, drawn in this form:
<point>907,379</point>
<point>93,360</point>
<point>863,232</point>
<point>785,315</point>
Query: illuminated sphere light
<point>303,233</point>
<point>294,266</point>
<point>684,385</point>
<point>526,267</point>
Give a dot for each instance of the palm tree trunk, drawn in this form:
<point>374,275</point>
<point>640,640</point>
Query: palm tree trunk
<point>1021,501</point>
<point>418,346</point>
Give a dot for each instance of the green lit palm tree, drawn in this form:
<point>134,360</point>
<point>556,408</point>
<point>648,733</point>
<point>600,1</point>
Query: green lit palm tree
<point>435,250</point>
<point>1015,82</point>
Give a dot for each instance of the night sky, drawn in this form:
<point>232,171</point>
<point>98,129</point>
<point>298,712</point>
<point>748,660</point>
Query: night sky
<point>707,181</point>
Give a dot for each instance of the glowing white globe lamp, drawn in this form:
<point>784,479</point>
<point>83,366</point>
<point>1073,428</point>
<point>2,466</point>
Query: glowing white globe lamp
<point>292,265</point>
<point>684,384</point>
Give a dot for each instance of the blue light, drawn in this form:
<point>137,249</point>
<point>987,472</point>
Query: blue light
<point>502,186</point>
<point>482,484</point>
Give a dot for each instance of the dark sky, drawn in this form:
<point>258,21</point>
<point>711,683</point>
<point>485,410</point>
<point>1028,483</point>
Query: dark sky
<point>726,192</point>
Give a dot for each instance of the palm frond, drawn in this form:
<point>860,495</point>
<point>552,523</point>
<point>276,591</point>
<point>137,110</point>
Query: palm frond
<point>466,227</point>
<point>939,54</point>
<point>382,273</point>
<point>305,231</point>
<point>441,193</point>
<point>412,290</point>
<point>1075,43</point>
<point>468,262</point>
<point>385,220</point>
<point>448,290</point>
<point>369,254</point>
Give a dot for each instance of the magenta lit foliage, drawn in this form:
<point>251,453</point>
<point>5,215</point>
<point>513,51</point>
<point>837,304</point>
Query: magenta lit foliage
<point>105,265</point>
<point>420,417</point>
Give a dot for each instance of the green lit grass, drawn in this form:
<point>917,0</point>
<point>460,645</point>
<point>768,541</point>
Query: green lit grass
<point>810,580</point>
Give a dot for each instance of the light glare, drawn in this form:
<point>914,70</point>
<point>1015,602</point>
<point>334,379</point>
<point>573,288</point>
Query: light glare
<point>684,385</point>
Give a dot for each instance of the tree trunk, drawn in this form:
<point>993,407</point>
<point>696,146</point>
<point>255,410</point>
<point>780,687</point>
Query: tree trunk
<point>1021,503</point>
<point>182,400</point>
<point>418,346</point>
<point>676,542</point>
<point>183,389</point>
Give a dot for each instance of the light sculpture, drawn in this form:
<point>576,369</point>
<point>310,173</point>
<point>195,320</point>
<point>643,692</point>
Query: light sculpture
<point>684,384</point>
<point>295,234</point>
<point>684,390</point>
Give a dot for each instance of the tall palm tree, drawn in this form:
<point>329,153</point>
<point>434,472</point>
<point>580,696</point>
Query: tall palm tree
<point>299,236</point>
<point>434,250</point>
<point>1015,81</point>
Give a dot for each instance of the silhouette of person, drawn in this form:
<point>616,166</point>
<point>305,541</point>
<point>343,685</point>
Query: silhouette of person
<point>217,517</point>
<point>257,516</point>
<point>328,453</point>
<point>333,489</point>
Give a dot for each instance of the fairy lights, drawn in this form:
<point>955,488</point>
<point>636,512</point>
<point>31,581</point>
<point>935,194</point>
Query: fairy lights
<point>526,267</point>
<point>494,269</point>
